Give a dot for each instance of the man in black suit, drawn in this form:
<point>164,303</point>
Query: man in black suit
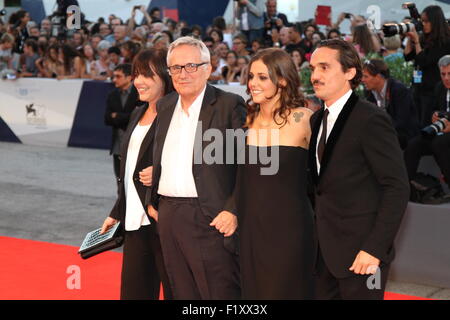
<point>437,145</point>
<point>196,215</point>
<point>393,97</point>
<point>119,106</point>
<point>359,177</point>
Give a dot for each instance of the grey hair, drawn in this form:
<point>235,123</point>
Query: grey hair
<point>392,43</point>
<point>444,61</point>
<point>104,44</point>
<point>190,41</point>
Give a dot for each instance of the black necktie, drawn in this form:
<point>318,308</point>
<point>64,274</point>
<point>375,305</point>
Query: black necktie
<point>323,137</point>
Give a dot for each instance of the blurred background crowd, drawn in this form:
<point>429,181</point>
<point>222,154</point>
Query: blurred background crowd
<point>406,62</point>
<point>48,49</point>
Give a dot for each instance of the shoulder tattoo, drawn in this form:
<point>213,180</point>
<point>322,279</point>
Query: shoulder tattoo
<point>298,116</point>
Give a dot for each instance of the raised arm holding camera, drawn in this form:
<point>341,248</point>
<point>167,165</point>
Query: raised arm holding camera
<point>426,50</point>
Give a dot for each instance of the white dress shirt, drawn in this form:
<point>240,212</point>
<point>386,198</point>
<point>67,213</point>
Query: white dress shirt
<point>334,111</point>
<point>135,216</point>
<point>177,179</point>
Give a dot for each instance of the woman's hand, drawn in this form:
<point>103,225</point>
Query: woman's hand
<point>108,223</point>
<point>412,35</point>
<point>152,212</point>
<point>226,223</point>
<point>145,176</point>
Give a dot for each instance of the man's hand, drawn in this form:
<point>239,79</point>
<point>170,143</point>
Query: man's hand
<point>225,223</point>
<point>108,223</point>
<point>114,115</point>
<point>435,117</point>
<point>447,125</point>
<point>279,23</point>
<point>365,264</point>
<point>145,176</point>
<point>152,212</point>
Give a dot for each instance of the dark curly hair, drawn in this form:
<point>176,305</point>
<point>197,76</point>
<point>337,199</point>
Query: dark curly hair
<point>280,66</point>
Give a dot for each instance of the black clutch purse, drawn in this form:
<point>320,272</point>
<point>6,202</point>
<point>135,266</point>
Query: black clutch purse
<point>95,243</point>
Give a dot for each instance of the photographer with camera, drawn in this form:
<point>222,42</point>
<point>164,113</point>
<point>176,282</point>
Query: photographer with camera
<point>426,50</point>
<point>273,20</point>
<point>435,137</point>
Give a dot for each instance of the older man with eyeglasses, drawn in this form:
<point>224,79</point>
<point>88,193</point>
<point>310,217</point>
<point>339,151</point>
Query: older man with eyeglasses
<point>192,201</point>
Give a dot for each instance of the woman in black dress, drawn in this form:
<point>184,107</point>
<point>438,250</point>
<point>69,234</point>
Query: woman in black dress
<point>275,215</point>
<point>143,266</point>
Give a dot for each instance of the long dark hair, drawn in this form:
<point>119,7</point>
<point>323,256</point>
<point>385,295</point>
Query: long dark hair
<point>280,66</point>
<point>440,33</point>
<point>16,17</point>
<point>362,36</point>
<point>69,53</point>
<point>152,61</point>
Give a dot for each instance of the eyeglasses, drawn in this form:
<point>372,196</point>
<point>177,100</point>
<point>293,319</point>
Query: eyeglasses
<point>190,68</point>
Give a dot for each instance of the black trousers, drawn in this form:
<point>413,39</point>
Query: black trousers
<point>143,266</point>
<point>439,147</point>
<point>197,263</point>
<point>354,287</point>
<point>116,162</point>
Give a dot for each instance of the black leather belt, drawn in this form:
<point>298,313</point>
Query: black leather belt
<point>180,199</point>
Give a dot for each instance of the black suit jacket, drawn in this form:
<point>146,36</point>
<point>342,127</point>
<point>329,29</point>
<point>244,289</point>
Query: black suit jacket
<point>362,190</point>
<point>214,183</point>
<point>114,104</point>
<point>400,106</point>
<point>144,160</point>
<point>440,96</point>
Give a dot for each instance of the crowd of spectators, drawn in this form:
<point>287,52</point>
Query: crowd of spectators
<point>28,49</point>
<point>46,50</point>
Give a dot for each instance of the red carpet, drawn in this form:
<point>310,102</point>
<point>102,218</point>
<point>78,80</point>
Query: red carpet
<point>33,270</point>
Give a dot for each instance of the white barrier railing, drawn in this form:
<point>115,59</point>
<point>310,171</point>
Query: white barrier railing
<point>41,111</point>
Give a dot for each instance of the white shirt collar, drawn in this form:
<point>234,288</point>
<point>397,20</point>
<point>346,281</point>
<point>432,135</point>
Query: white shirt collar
<point>337,107</point>
<point>195,107</point>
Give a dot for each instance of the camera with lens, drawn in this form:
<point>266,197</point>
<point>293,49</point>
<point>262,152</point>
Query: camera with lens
<point>391,29</point>
<point>273,23</point>
<point>3,12</point>
<point>433,129</point>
